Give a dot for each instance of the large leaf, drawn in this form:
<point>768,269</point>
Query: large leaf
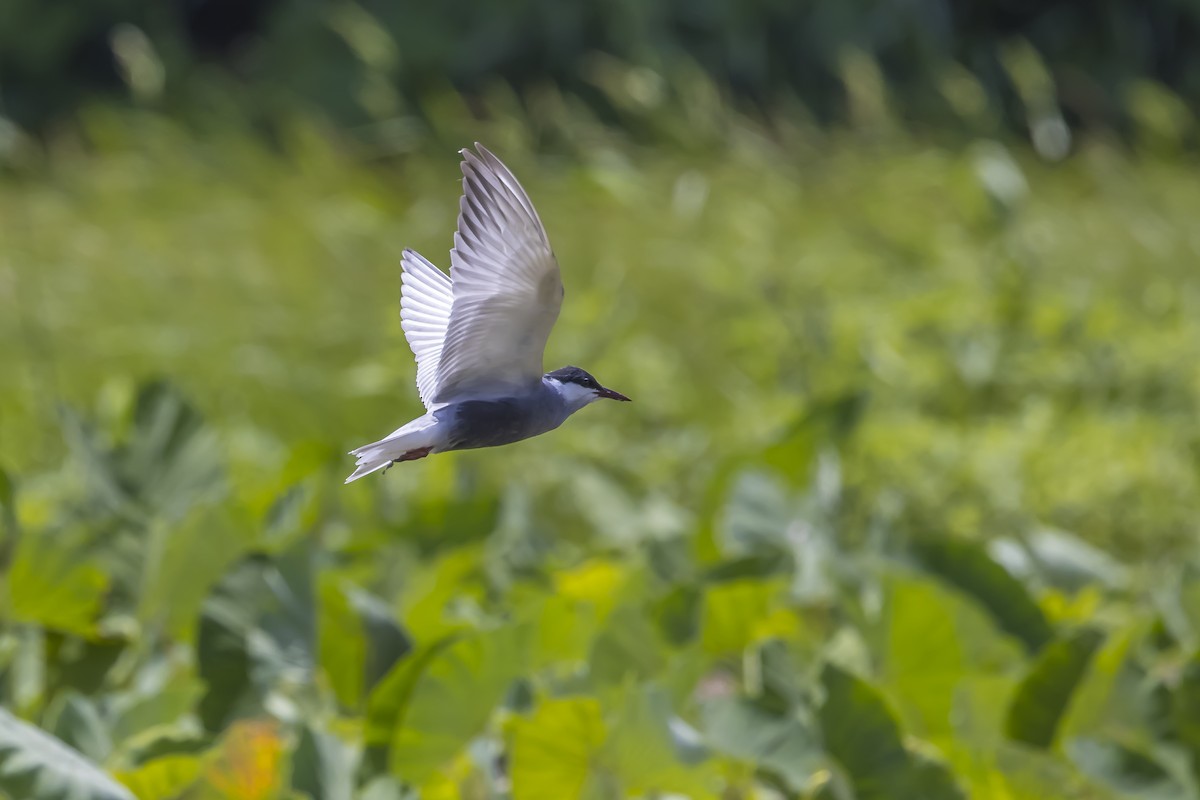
<point>162,778</point>
<point>453,698</point>
<point>862,734</point>
<point>553,752</point>
<point>967,566</point>
<point>935,639</point>
<point>646,756</point>
<point>739,613</point>
<point>1046,691</point>
<point>358,639</point>
<point>785,744</point>
<point>34,764</point>
<point>54,583</point>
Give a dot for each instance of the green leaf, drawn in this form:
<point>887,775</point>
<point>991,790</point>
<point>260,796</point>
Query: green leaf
<point>628,647</point>
<point>223,659</point>
<point>967,566</point>
<point>35,764</point>
<point>644,756</point>
<point>453,698</point>
<point>1125,770</point>
<point>861,733</point>
<point>554,750</point>
<point>163,778</point>
<point>1044,694</point>
<point>935,640</point>
<point>75,720</point>
<point>739,613</point>
<point>358,639</point>
<point>54,583</point>
<point>389,700</point>
<point>783,743</point>
<point>323,766</point>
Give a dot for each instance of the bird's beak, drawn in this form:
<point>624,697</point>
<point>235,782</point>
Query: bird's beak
<point>611,395</point>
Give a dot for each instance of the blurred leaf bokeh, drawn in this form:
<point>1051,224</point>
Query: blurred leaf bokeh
<point>907,505</point>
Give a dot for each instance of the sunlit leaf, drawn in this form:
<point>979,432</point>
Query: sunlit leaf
<point>163,778</point>
<point>738,613</point>
<point>52,582</point>
<point>554,751</point>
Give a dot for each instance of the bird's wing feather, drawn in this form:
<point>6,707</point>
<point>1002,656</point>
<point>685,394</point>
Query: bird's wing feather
<point>425,301</point>
<point>507,287</point>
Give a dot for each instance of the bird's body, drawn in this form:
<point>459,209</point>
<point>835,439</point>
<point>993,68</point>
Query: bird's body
<point>478,335</point>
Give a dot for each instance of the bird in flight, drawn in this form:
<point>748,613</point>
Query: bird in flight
<point>479,334</point>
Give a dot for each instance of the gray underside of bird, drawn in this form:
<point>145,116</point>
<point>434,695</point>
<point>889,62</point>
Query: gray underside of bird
<point>489,423</point>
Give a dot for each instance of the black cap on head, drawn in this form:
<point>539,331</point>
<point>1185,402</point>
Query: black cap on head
<point>574,375</point>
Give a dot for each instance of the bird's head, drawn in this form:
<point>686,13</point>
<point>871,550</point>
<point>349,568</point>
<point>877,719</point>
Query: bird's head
<point>578,388</point>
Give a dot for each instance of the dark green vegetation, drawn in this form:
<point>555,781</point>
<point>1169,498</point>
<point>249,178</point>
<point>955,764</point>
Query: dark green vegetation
<point>905,507</point>
<point>365,62</point>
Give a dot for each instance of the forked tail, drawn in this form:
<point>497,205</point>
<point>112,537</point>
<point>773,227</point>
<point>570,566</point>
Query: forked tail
<point>415,440</point>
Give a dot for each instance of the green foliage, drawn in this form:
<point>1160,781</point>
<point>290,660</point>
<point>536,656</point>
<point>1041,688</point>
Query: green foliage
<point>905,507</point>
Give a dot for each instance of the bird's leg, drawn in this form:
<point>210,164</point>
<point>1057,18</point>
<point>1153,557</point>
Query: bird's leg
<point>413,455</point>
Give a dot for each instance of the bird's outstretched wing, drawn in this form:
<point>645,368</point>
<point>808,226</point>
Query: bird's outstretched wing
<point>507,290</point>
<point>425,301</point>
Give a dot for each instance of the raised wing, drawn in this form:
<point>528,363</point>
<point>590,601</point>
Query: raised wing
<point>507,287</point>
<point>425,301</point>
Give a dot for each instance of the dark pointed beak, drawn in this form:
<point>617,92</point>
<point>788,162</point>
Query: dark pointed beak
<point>611,395</point>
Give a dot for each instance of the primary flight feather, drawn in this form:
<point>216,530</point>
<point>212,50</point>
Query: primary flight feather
<point>479,335</point>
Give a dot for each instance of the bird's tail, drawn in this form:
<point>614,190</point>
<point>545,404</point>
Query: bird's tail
<point>414,440</point>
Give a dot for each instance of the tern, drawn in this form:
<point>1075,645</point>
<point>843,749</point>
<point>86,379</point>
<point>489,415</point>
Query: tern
<point>479,334</point>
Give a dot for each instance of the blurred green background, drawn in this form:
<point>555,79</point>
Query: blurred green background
<point>906,506</point>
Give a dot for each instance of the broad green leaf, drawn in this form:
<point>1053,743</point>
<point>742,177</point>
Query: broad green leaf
<point>554,751</point>
<point>183,561</point>
<point>967,566</point>
<point>358,640</point>
<point>389,700</point>
<point>430,591</point>
<point>453,698</point>
<point>739,613</point>
<point>644,756</point>
<point>783,743</point>
<point>53,583</point>
<point>163,778</point>
<point>934,639</point>
<point>34,764</point>
<point>861,733</point>
<point>341,646</point>
<point>627,648</point>
<point>1045,693</point>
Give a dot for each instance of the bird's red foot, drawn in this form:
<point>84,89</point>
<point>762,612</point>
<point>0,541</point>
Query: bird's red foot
<point>413,455</point>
